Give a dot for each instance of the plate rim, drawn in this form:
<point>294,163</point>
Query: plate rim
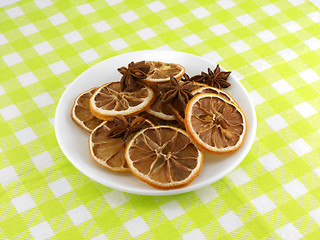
<point>151,192</point>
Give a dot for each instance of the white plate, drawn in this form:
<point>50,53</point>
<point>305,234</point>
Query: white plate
<point>73,140</point>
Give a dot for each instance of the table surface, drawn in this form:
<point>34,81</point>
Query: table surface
<point>273,47</point>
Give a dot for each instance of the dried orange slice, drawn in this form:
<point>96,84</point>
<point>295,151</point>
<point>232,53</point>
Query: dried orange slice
<point>215,124</point>
<point>164,157</point>
<point>160,72</point>
<point>109,101</point>
<point>109,151</point>
<point>208,89</point>
<point>81,114</point>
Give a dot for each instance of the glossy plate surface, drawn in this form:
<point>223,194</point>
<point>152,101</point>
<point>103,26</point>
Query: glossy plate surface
<point>73,140</point>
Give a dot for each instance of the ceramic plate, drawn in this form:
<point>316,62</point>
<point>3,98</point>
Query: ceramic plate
<point>73,140</point>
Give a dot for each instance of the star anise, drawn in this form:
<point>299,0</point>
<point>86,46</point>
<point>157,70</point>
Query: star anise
<point>185,78</point>
<point>125,126</point>
<point>177,91</point>
<point>216,78</point>
<point>131,73</point>
<point>177,95</point>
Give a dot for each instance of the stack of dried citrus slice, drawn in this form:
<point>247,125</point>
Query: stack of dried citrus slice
<point>138,124</point>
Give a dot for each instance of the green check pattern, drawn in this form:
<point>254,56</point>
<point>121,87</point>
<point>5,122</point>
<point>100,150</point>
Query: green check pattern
<point>273,47</point>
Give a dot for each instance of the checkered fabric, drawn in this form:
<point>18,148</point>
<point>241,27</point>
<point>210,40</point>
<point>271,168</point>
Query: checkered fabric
<point>273,47</point>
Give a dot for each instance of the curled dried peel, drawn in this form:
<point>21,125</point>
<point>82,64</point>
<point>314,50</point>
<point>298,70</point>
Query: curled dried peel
<point>221,93</point>
<point>215,124</point>
<point>164,157</point>
<point>109,101</point>
<point>110,152</point>
<point>161,72</point>
<point>81,114</point>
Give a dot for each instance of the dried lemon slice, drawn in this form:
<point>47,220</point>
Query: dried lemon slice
<point>214,90</point>
<point>160,72</point>
<point>109,150</point>
<point>215,124</point>
<point>163,157</point>
<point>109,101</point>
<point>81,114</point>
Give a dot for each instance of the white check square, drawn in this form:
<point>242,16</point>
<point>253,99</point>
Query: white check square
<point>89,55</point>
<point>3,39</point>
<point>305,109</point>
<point>43,100</point>
<point>300,147</point>
<point>113,2</point>
<point>23,202</point>
<point>282,86</point>
<point>41,231</point>
<point>85,9</point>
<point>292,26</point>
<point>172,209</point>
<point>200,12</point>
<point>240,46</point>
<point>14,12</point>
<point>146,33</point>
<point>43,3</point>
<point>315,214</point>
<point>59,67</point>
<point>312,43</point>
<point>194,234</point>
<point>219,29</point>
<point>129,16</point>
<point>118,44</point>
<point>315,16</point>
<point>289,232</point>
<point>174,23</point>
<point>27,79</point>
<point>60,187</point>
<point>42,161</point>
<point>256,98</point>
<point>287,54</point>
<point>12,59</point>
<point>295,188</point>
<point>270,161</point>
<point>266,36</point>
<point>276,122</point>
<point>309,76</point>
<point>296,2</point>
<point>230,221</point>
<point>270,9</point>
<point>260,65</point>
<point>156,6</point>
<point>73,37</point>
<point>136,226</point>
<point>192,40</point>
<point>57,19</point>
<point>8,175</point>
<point>225,4</point>
<point>101,26</point>
<point>43,48</point>
<point>25,135</point>
<point>245,19</point>
<point>239,177</point>
<point>115,198</point>
<point>263,204</point>
<point>79,215</point>
<point>10,112</point>
<point>206,194</point>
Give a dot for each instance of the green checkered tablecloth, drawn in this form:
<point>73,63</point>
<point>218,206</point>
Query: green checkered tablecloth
<point>273,47</point>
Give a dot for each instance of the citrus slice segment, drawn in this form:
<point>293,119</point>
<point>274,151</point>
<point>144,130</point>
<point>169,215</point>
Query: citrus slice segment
<point>215,124</point>
<point>164,157</point>
<point>109,101</point>
<point>161,72</point>
<point>214,90</point>
<point>80,112</point>
<point>109,151</point>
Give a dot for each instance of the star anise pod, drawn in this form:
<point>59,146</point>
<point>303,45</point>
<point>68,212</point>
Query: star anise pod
<point>125,126</point>
<point>181,92</point>
<point>131,73</point>
<point>185,78</point>
<point>216,78</point>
